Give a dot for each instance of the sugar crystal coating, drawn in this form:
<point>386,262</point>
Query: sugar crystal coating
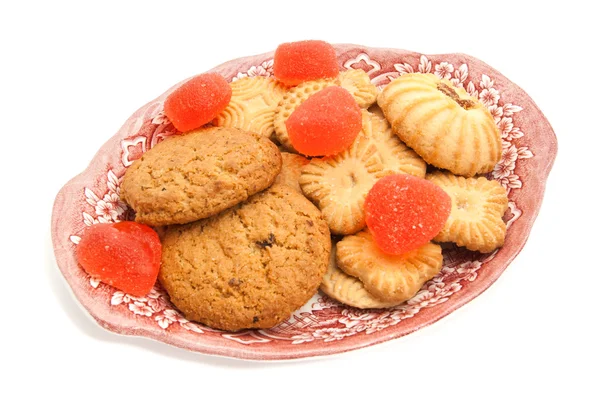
<point>198,101</point>
<point>326,123</point>
<point>306,60</point>
<point>404,212</point>
<point>125,255</point>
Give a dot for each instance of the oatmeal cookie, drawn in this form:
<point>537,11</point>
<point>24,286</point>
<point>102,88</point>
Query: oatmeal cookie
<point>250,266</point>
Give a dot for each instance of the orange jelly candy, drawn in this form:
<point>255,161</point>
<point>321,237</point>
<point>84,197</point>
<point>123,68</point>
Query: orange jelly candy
<point>125,255</point>
<point>306,60</point>
<point>404,212</point>
<point>198,101</point>
<point>326,123</point>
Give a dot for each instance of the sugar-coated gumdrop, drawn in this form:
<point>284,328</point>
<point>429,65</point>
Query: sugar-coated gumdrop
<point>198,101</point>
<point>404,212</point>
<point>326,123</point>
<point>306,60</point>
<point>125,255</point>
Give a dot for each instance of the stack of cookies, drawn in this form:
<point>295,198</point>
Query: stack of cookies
<point>251,229</point>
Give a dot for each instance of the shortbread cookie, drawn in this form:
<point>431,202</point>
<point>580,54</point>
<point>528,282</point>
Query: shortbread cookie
<point>338,185</point>
<point>347,289</point>
<point>358,83</point>
<point>293,98</point>
<point>252,105</point>
<point>291,170</point>
<point>396,157</point>
<point>354,81</point>
<point>390,278</point>
<point>250,266</point>
<point>478,205</point>
<point>446,126</point>
<point>195,175</point>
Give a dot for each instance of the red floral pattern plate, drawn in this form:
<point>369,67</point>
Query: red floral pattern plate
<point>322,326</point>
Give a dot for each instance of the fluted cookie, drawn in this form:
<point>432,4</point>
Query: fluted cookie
<point>250,266</point>
<point>198,174</point>
<point>478,205</point>
<point>446,126</point>
<point>396,157</point>
<point>356,82</point>
<point>389,278</point>
<point>338,185</point>
<point>291,170</point>
<point>347,289</point>
<point>252,105</point>
<point>293,98</point>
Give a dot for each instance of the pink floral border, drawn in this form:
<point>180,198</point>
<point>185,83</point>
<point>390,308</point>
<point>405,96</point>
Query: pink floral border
<point>322,320</point>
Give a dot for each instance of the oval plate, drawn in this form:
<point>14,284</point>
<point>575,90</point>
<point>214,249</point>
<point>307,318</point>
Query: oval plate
<point>322,326</point>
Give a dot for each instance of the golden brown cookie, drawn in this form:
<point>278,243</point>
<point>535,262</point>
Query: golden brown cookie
<point>250,266</point>
<point>358,83</point>
<point>291,170</point>
<point>446,126</point>
<point>338,185</point>
<point>252,105</point>
<point>390,278</point>
<point>347,289</point>
<point>478,205</point>
<point>396,157</point>
<point>293,98</point>
<point>198,174</point>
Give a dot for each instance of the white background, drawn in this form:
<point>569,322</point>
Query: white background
<point>71,74</point>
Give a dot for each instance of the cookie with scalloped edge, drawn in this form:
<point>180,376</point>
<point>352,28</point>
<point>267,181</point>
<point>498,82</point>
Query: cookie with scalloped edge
<point>390,278</point>
<point>446,126</point>
<point>347,289</point>
<point>339,184</point>
<point>358,83</point>
<point>397,158</point>
<point>252,105</point>
<point>478,205</point>
<point>290,101</point>
<point>291,168</point>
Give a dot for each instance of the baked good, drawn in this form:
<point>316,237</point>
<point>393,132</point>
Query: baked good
<point>396,157</point>
<point>252,105</point>
<point>196,175</point>
<point>347,289</point>
<point>478,205</point>
<point>338,185</point>
<point>293,98</point>
<point>356,82</point>
<point>389,278</point>
<point>446,126</point>
<point>291,169</point>
<point>250,266</point>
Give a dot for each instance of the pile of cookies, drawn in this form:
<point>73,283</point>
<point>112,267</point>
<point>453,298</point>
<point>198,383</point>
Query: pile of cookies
<point>261,200</point>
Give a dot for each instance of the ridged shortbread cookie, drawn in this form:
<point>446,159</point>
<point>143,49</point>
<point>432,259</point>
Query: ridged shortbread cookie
<point>338,185</point>
<point>347,289</point>
<point>250,266</point>
<point>198,174</point>
<point>390,278</point>
<point>478,205</point>
<point>446,126</point>
<point>396,157</point>
<point>356,82</point>
<point>252,105</point>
